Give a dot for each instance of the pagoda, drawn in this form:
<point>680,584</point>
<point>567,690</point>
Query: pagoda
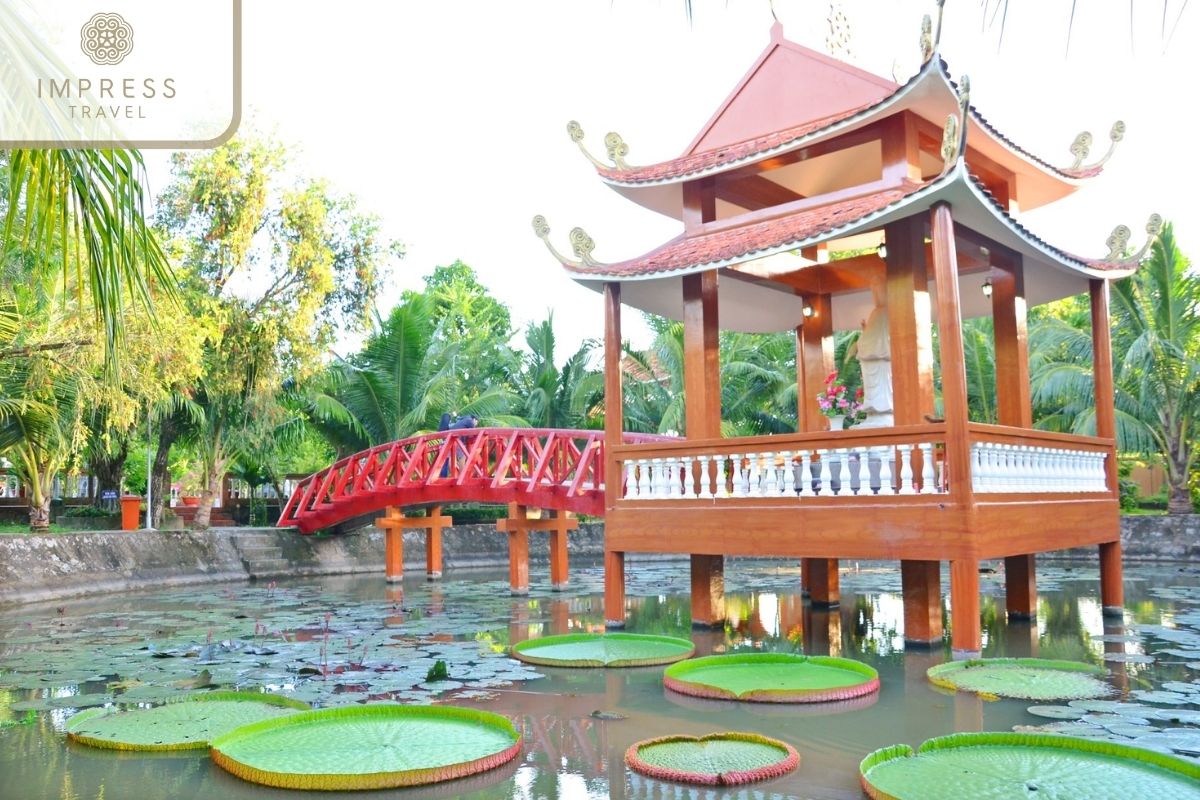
<point>809,158</point>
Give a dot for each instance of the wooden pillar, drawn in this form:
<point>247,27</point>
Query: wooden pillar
<point>814,362</point>
<point>518,549</point>
<point>558,551</point>
<point>614,589</point>
<point>1112,589</point>
<point>1013,406</point>
<point>909,326</point>
<point>1020,587</point>
<point>966,638</point>
<point>433,542</point>
<point>922,590</point>
<point>708,590</point>
<point>701,359</point>
<point>393,544</point>
<point>614,561</point>
<point>954,375</point>
<point>824,589</point>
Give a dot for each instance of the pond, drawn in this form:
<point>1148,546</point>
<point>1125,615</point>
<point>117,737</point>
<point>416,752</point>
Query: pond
<point>331,641</point>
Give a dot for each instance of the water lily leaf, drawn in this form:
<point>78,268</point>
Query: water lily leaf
<point>723,759</point>
<point>1023,678</point>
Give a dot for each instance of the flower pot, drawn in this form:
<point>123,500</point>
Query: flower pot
<point>189,500</point>
<point>131,506</point>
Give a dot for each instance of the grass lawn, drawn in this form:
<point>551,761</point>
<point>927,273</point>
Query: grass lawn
<point>17,528</point>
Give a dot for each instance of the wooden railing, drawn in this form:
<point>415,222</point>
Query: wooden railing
<point>826,465</point>
<point>1022,461</point>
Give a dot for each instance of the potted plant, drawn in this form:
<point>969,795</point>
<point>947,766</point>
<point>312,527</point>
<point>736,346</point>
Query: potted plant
<point>836,402</point>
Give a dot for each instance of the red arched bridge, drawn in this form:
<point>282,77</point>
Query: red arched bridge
<point>554,469</point>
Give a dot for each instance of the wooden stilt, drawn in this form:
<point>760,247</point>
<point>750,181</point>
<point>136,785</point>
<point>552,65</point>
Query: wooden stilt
<point>614,589</point>
<point>433,542</point>
<point>966,638</point>
<point>1112,583</point>
<point>824,586</point>
<point>1020,582</point>
<point>805,576</point>
<point>393,543</point>
<point>558,551</point>
<point>708,591</point>
<point>922,588</point>
<point>518,548</point>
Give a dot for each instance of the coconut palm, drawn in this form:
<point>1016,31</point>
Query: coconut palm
<point>553,396</point>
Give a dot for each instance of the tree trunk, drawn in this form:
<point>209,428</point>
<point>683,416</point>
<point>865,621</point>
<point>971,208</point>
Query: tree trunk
<point>1179,494</point>
<point>39,513</point>
<point>109,472</point>
<point>213,482</point>
<point>1179,499</point>
<point>160,476</point>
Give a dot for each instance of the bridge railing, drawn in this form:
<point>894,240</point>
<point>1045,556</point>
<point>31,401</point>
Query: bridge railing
<point>550,468</point>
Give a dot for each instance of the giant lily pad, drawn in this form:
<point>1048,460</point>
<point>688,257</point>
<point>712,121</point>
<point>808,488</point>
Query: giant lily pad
<point>772,678</point>
<point>1024,678</point>
<point>719,759</point>
<point>180,725</point>
<point>603,650</point>
<point>1024,765</point>
<point>368,747</point>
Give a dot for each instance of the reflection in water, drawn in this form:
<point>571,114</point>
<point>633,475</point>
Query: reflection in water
<point>578,723</point>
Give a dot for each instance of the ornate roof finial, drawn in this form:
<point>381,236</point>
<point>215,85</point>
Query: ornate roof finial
<point>613,143</point>
<point>838,40</point>
<point>1082,145</point>
<point>581,244</point>
<point>1118,241</point>
<point>926,39</point>
<point>954,134</point>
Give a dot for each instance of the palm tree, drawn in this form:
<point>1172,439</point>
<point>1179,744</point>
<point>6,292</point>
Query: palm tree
<point>557,397</point>
<point>1156,354</point>
<point>87,207</point>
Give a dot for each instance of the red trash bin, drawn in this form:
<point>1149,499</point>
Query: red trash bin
<point>131,512</point>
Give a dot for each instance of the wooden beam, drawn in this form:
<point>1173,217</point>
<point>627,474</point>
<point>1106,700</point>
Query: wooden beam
<point>1020,587</point>
<point>699,203</point>
<point>708,591</point>
<point>966,638</point>
<point>954,376</point>
<point>909,326</point>
<point>753,192</point>
<point>518,551</point>
<point>701,358</point>
<point>845,275</point>
<point>901,148</point>
<point>814,361</point>
<point>393,544</point>
<point>867,133</point>
<point>1013,404</point>
<point>614,589</point>
<point>922,591</point>
<point>1102,370</point>
<point>613,394</point>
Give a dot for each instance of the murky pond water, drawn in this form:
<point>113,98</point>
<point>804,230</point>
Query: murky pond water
<point>345,640</point>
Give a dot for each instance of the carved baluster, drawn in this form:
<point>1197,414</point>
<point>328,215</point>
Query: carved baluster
<point>631,487</point>
<point>976,467</point>
<point>906,472</point>
<point>806,482</point>
<point>886,454</point>
<point>735,468</point>
<point>927,479</point>
<point>840,485</point>
<point>687,478</point>
<point>673,487</point>
<point>721,490</point>
<point>658,478</point>
<point>705,492</point>
<point>755,473</point>
<point>645,487</point>
<point>825,485</point>
<point>770,476</point>
<point>788,488</point>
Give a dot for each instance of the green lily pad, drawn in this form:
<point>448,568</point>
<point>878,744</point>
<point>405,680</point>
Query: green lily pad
<point>1024,765</point>
<point>1024,678</point>
<point>181,725</point>
<point>772,678</point>
<point>603,650</point>
<point>719,759</point>
<point>1056,712</point>
<point>374,746</point>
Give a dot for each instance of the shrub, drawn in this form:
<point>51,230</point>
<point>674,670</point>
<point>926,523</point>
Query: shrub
<point>1128,493</point>
<point>89,511</point>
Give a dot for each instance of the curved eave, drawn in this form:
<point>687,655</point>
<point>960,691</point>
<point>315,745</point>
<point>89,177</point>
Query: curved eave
<point>931,93</point>
<point>1051,273</point>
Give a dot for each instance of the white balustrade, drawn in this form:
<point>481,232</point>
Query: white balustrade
<point>1022,469</point>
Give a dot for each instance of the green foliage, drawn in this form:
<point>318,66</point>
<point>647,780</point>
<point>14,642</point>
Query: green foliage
<point>89,512</point>
<point>438,672</point>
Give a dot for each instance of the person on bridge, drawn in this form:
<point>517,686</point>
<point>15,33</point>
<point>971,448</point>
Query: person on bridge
<point>444,425</point>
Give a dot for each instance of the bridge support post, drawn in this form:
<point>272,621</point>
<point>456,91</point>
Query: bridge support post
<point>614,589</point>
<point>433,542</point>
<point>966,638</point>
<point>393,543</point>
<point>558,551</point>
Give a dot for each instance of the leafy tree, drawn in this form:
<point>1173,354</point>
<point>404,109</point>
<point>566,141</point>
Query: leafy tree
<point>276,263</point>
<point>553,396</point>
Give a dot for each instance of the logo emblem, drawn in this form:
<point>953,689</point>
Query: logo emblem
<point>106,38</point>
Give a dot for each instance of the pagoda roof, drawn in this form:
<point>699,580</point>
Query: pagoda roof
<point>651,281</point>
<point>931,94</point>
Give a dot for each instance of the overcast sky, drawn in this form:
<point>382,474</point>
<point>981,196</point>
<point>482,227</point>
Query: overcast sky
<point>447,117</point>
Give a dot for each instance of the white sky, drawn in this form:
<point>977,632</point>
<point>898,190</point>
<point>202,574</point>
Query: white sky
<point>447,117</point>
